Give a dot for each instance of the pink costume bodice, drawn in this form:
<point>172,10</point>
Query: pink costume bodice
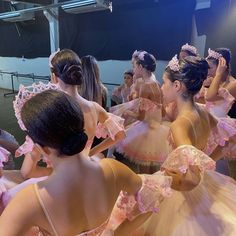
<point>219,135</point>
<point>220,107</point>
<point>94,232</point>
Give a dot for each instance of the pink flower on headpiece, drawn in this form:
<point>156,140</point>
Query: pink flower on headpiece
<point>4,154</point>
<point>26,93</point>
<point>139,54</point>
<point>213,54</point>
<point>174,64</point>
<point>190,48</point>
<point>52,56</point>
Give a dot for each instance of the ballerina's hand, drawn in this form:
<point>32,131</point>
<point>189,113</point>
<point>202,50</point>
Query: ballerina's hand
<point>184,181</point>
<point>222,67</point>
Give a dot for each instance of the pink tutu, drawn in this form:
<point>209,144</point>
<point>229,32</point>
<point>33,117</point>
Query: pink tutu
<point>146,141</point>
<point>208,209</point>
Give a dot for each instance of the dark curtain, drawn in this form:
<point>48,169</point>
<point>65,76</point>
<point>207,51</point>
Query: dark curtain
<point>160,27</point>
<point>30,39</point>
<point>218,24</point>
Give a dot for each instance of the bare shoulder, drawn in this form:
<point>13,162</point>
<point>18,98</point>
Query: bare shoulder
<point>126,179</point>
<point>24,210</point>
<point>232,88</point>
<point>181,130</point>
<point>101,112</point>
<point>207,117</point>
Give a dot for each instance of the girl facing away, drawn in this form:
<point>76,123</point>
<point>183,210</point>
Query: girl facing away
<point>146,140</point>
<point>64,203</point>
<point>66,69</point>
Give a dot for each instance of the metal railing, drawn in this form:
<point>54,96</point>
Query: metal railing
<point>16,75</point>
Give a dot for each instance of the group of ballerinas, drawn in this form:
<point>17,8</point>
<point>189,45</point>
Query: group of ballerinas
<point>83,195</point>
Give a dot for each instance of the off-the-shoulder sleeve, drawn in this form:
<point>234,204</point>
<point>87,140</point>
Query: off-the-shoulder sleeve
<point>25,148</point>
<point>4,154</point>
<point>110,127</point>
<point>187,155</point>
<point>154,189</point>
<point>224,130</point>
<point>224,93</point>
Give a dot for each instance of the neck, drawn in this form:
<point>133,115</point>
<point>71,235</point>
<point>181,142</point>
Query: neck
<point>184,105</point>
<point>61,164</point>
<point>71,90</point>
<point>147,75</point>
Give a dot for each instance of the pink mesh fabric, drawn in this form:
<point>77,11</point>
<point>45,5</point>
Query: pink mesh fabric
<point>225,103</point>
<point>4,154</point>
<point>153,191</point>
<point>25,148</point>
<point>186,155</point>
<point>225,129</point>
<point>110,127</point>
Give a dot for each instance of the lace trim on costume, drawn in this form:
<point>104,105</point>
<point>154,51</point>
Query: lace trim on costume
<point>153,191</point>
<point>225,129</point>
<point>25,148</point>
<point>110,127</point>
<point>186,155</point>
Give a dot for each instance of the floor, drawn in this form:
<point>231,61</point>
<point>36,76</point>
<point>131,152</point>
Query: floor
<point>9,123</point>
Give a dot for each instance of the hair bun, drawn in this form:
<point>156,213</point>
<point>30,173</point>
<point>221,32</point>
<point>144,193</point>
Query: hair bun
<point>194,71</point>
<point>149,62</point>
<point>72,74</point>
<point>74,144</point>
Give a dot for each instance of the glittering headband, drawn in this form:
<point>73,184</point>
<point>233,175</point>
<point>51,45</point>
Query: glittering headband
<point>187,47</point>
<point>213,54</point>
<point>174,64</point>
<point>139,54</point>
<point>51,57</point>
<point>26,93</point>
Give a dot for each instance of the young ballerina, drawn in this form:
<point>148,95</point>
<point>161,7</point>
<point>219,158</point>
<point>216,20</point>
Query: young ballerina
<point>217,92</point>
<point>171,108</point>
<point>199,211</point>
<point>220,94</point>
<point>187,50</point>
<point>64,203</point>
<point>146,140</point>
<point>92,88</point>
<point>67,73</point>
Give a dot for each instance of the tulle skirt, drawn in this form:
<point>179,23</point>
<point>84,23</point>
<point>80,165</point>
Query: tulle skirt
<point>146,143</point>
<point>207,210</point>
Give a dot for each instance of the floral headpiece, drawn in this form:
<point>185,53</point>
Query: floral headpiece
<point>190,48</point>
<point>26,93</point>
<point>213,54</point>
<point>139,54</point>
<point>174,64</point>
<point>51,57</point>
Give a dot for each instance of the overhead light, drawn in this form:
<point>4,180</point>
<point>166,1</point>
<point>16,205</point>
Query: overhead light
<point>87,6</point>
<point>17,16</point>
<point>9,15</point>
<point>78,4</point>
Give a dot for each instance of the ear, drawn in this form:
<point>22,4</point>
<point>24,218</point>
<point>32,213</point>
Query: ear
<point>177,85</point>
<point>45,151</point>
<point>54,78</point>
